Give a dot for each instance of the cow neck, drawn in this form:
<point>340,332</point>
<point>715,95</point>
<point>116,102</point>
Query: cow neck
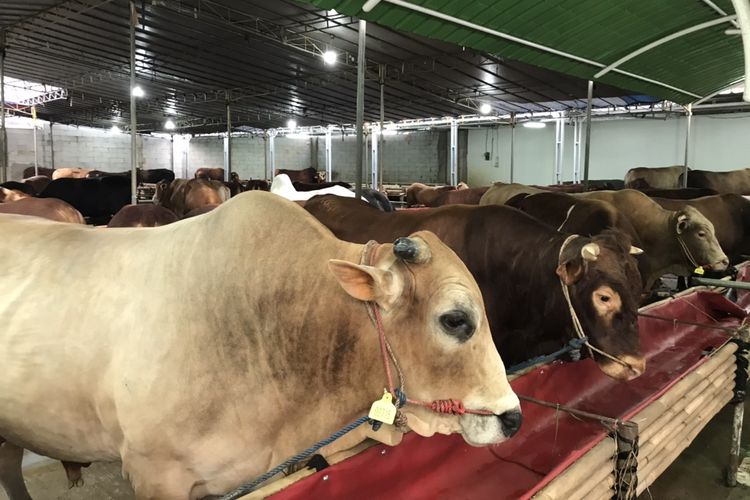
<point>390,361</point>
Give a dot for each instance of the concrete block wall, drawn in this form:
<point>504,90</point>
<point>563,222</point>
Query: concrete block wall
<point>81,147</point>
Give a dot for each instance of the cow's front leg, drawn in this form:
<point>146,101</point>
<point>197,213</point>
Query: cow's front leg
<point>11,476</point>
<point>157,480</point>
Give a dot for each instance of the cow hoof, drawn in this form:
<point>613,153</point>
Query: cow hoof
<point>78,483</point>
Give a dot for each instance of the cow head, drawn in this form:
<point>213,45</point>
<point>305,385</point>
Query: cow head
<point>9,195</point>
<point>605,285</point>
<point>698,239</point>
<point>433,316</point>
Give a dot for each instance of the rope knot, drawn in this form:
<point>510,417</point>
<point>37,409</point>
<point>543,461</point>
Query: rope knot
<point>448,406</point>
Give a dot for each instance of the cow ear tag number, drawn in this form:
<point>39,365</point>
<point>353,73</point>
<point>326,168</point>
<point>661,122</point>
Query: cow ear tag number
<point>383,410</point>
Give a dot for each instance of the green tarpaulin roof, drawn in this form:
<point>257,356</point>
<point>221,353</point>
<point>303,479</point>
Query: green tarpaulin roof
<point>601,32</point>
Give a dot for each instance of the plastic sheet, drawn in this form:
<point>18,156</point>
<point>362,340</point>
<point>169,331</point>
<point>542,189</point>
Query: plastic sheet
<point>549,441</point>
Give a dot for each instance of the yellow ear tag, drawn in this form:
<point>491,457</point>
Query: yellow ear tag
<point>383,410</point>
<point>699,271</point>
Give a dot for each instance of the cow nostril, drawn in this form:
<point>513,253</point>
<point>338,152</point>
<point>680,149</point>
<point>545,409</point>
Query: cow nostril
<point>511,422</point>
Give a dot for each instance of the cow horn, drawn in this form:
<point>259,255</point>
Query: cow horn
<point>590,251</point>
<point>411,250</point>
<point>635,250</point>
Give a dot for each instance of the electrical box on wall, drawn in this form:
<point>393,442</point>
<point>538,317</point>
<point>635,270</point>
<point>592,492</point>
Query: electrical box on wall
<point>487,156</point>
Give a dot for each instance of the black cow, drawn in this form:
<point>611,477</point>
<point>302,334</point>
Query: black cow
<point>97,199</point>
<point>19,186</point>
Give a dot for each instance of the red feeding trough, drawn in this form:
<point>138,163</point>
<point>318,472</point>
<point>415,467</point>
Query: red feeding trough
<point>551,440</point>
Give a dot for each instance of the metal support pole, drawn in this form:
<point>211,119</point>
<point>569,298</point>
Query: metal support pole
<point>576,151</point>
<point>272,152</point>
<point>51,147</point>
<point>36,145</point>
<point>3,132</point>
<point>734,448</point>
<point>382,125</point>
<point>228,166</point>
<point>587,150</point>
<point>453,153</point>
<point>512,143</point>
<point>374,156</point>
<point>361,65</point>
<point>171,152</point>
<point>329,165</point>
<point>559,146</point>
<point>265,157</point>
<point>689,110</point>
<point>133,121</point>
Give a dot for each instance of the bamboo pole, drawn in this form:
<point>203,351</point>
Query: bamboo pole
<point>651,472</point>
<point>604,490</point>
<point>571,477</point>
<point>647,433</point>
<point>596,477</point>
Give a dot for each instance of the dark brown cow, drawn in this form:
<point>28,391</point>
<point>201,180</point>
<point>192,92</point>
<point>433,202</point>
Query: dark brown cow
<point>199,211</point>
<point>678,193</point>
<point>422,194</point>
<point>183,195</point>
<point>303,186</point>
<point>213,174</point>
<point>470,196</point>
<point>143,216</point>
<point>570,214</point>
<point>733,181</point>
<point>31,172</point>
<point>47,208</point>
<point>308,175</point>
<point>518,264</point>
<point>730,215</point>
<point>11,195</point>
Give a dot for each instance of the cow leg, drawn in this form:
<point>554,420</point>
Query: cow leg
<point>73,471</point>
<point>11,475</point>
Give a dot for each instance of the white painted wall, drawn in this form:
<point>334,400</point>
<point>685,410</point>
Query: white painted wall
<point>718,142</point>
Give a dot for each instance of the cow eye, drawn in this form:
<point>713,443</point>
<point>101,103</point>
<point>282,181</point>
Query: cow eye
<point>604,298</point>
<point>702,234</point>
<point>457,324</point>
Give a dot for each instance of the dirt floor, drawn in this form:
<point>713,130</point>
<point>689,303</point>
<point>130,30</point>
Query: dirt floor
<point>697,475</point>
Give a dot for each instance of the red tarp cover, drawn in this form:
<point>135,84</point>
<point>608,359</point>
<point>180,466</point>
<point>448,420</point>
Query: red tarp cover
<point>446,467</point>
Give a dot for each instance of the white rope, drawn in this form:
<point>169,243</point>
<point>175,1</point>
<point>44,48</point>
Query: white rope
<point>577,327</point>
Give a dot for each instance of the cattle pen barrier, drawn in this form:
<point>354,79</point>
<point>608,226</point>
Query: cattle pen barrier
<point>584,435</point>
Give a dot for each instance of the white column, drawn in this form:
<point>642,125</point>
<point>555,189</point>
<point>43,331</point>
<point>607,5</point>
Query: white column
<point>329,163</point>
<point>453,153</point>
<point>374,139</point>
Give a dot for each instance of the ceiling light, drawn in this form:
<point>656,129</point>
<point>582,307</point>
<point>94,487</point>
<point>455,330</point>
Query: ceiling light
<point>169,125</point>
<point>137,91</point>
<point>171,110</point>
<point>534,124</point>
<point>329,57</point>
<point>485,109</point>
<point>291,124</point>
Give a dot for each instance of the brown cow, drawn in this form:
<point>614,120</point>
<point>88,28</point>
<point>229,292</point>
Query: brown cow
<point>730,215</point>
<point>72,173</point>
<point>733,181</point>
<point>422,194</point>
<point>199,211</point>
<point>500,192</point>
<point>674,241</point>
<point>213,174</point>
<point>11,195</point>
<point>183,195</point>
<point>47,208</point>
<point>518,263</point>
<point>654,177</point>
<point>143,216</point>
<point>31,172</point>
<point>678,193</point>
<point>470,196</point>
<point>308,175</point>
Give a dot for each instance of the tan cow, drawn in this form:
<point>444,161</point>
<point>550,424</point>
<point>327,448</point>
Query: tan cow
<point>200,378</point>
<point>11,195</point>
<point>674,241</point>
<point>733,181</point>
<point>183,195</point>
<point>500,193</point>
<point>654,177</point>
<point>74,173</point>
<point>47,208</point>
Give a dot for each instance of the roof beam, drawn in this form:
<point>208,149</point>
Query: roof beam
<point>663,40</point>
<point>528,43</point>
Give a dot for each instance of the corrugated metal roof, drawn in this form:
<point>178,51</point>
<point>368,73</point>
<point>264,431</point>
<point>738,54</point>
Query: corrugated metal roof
<point>264,55</point>
<point>698,63</point>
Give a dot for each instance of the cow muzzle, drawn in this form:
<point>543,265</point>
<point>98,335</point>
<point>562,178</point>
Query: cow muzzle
<point>484,430</point>
<point>633,368</point>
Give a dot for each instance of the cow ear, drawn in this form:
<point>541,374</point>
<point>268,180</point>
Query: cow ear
<point>682,222</point>
<point>571,271</point>
<point>364,283</point>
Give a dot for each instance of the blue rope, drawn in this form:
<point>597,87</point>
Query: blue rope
<point>573,346</point>
<point>248,487</point>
